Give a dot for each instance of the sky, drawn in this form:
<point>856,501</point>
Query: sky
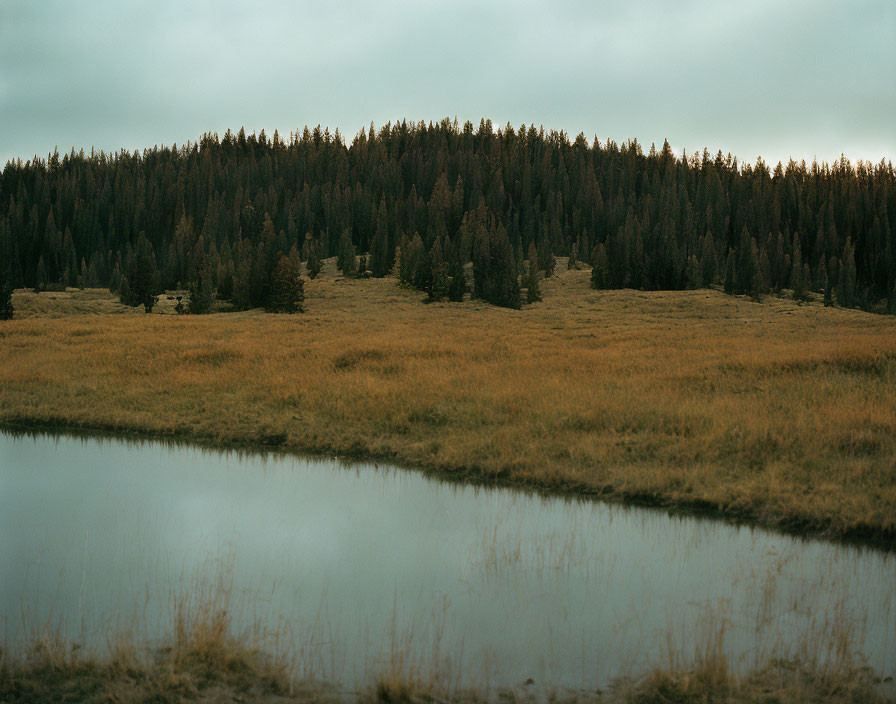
<point>779,79</point>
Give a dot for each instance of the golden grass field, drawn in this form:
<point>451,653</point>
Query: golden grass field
<point>776,413</point>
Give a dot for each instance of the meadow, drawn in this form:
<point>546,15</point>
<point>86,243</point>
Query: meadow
<point>779,414</point>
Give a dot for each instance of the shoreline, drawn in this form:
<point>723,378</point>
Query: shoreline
<point>870,538</point>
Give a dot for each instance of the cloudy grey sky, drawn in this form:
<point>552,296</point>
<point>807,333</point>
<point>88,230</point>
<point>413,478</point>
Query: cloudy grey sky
<point>776,78</point>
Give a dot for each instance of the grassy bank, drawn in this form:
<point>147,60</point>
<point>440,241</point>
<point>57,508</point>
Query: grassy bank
<point>780,414</point>
<point>205,663</point>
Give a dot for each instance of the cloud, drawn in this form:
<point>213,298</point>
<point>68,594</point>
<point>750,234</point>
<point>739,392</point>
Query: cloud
<point>800,78</point>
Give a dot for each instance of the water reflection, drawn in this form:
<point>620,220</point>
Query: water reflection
<point>357,569</point>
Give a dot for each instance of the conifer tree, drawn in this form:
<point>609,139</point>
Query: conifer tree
<point>143,276</point>
<point>730,273</point>
<point>797,275</point>
<point>757,281</point>
<point>828,290</point>
<point>345,260</point>
<point>533,290</point>
<point>6,308</point>
<point>40,279</point>
<point>573,256</point>
<point>314,264</point>
<point>438,273</point>
<point>202,290</point>
<point>380,251</point>
<point>707,260</point>
<point>546,261</point>
<point>600,271</point>
<point>846,294</point>
<point>287,287</point>
<point>693,274</point>
<point>502,287</point>
<point>457,283</point>
<point>124,291</point>
<point>419,264</point>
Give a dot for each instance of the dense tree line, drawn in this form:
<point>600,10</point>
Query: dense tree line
<point>427,200</point>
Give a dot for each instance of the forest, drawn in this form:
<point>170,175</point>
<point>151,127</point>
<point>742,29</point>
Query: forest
<point>235,217</point>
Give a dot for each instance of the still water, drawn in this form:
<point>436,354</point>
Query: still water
<point>360,570</point>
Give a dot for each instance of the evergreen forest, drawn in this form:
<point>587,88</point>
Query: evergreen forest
<point>234,217</point>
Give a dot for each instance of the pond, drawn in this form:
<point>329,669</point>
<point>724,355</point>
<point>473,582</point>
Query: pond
<point>356,570</point>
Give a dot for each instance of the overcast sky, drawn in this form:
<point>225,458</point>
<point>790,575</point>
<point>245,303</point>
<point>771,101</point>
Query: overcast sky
<point>776,78</point>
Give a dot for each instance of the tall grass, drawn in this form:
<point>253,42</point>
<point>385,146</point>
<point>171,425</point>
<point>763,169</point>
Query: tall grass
<point>204,658</point>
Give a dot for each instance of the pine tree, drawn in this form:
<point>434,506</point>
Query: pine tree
<point>438,273</point>
<point>692,273</point>
<point>457,282</point>
<point>600,271</point>
<point>533,290</point>
<point>546,260</point>
<point>124,291</point>
<point>40,279</point>
<point>345,260</point>
<point>202,291</point>
<point>797,275</point>
<point>6,309</point>
<point>573,256</point>
<point>757,282</point>
<point>502,284</point>
<point>143,276</point>
<point>707,260</point>
<point>846,294</point>
<point>287,288</point>
<point>419,264</point>
<point>314,264</point>
<point>828,290</point>
<point>730,273</point>
<point>380,251</point>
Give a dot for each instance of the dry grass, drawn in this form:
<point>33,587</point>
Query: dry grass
<point>778,413</point>
<point>245,676</point>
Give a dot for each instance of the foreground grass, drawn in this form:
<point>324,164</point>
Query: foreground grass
<point>234,674</point>
<point>779,414</point>
<point>209,665</point>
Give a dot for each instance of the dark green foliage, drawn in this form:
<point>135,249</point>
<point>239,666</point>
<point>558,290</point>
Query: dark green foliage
<point>437,287</point>
<point>143,277</point>
<point>533,290</point>
<point>6,309</point>
<point>380,249</point>
<point>287,287</point>
<point>499,281</point>
<point>600,270</point>
<point>457,281</point>
<point>202,291</point>
<point>345,260</point>
<point>40,280</point>
<point>828,290</point>
<point>730,273</point>
<point>124,291</point>
<point>419,264</point>
<point>797,273</point>
<point>313,263</point>
<point>846,291</point>
<point>248,198</point>
<point>693,274</point>
<point>546,261</point>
